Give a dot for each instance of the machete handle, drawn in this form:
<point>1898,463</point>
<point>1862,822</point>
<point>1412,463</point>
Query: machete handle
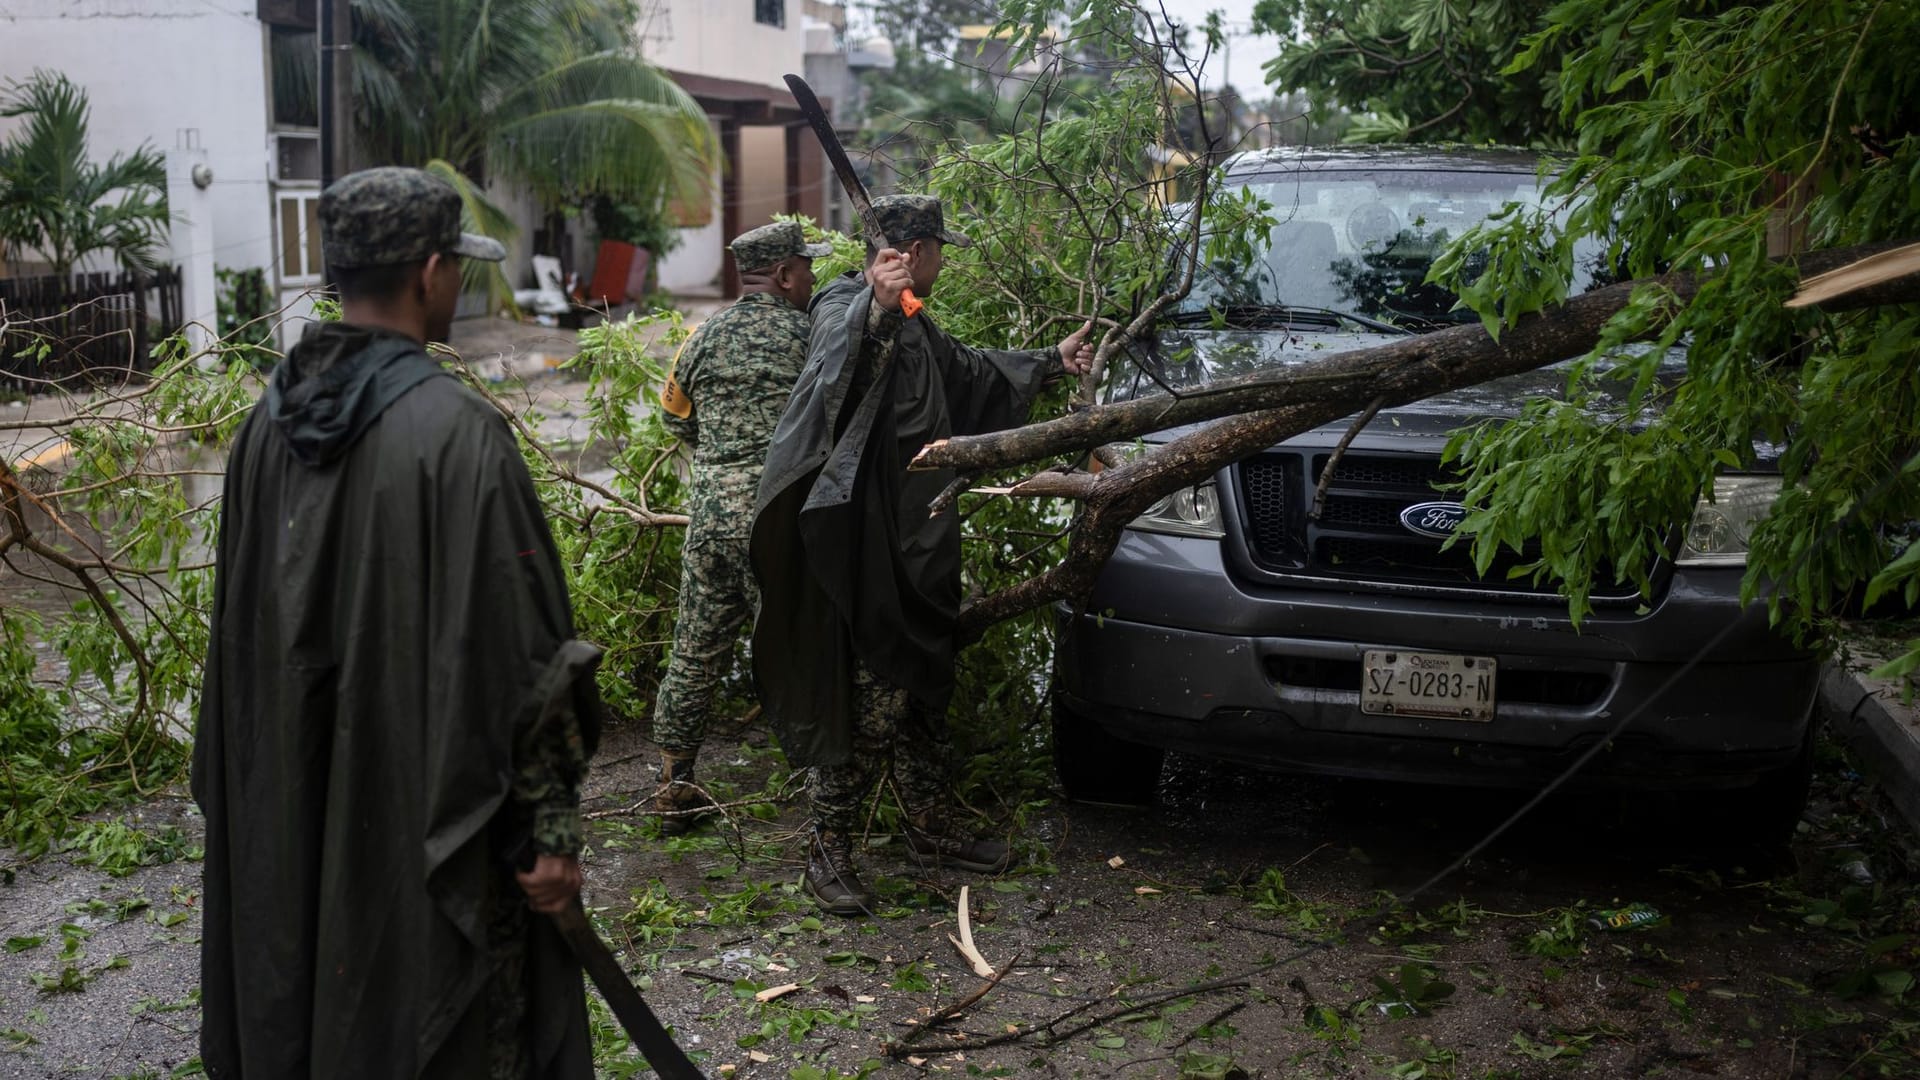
<point>910,304</point>
<point>522,856</point>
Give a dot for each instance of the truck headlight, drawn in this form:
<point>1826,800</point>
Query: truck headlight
<point>1722,524</point>
<point>1192,511</point>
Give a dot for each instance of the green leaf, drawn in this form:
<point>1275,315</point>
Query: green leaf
<point>1893,983</point>
<point>1900,666</point>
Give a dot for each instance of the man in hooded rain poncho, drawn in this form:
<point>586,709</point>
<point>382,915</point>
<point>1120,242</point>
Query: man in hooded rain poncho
<point>395,707</point>
<point>860,587</point>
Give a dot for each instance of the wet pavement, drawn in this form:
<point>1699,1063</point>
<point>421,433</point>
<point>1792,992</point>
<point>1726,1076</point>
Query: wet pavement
<point>1273,890</point>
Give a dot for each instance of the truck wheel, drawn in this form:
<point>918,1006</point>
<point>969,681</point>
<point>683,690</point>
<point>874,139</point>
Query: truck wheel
<point>1096,767</point>
<point>1768,812</point>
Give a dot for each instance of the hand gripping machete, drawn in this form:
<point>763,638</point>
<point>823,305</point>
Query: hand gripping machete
<point>856,191</point>
<point>649,1036</point>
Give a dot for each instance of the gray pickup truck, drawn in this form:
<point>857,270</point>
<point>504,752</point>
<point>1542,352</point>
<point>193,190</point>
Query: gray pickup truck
<point>1232,622</point>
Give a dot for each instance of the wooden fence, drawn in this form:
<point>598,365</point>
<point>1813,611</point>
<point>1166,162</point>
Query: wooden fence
<point>97,328</point>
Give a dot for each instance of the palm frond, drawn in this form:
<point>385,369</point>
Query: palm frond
<point>60,202</point>
<point>389,18</point>
<point>479,214</point>
<point>607,123</point>
<point>620,148</point>
<point>387,126</point>
<point>51,147</point>
<point>550,94</point>
<point>296,78</point>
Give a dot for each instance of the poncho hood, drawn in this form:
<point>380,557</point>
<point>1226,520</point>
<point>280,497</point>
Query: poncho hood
<point>336,382</point>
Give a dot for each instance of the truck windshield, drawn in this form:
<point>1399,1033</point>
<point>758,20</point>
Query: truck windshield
<point>1360,242</point>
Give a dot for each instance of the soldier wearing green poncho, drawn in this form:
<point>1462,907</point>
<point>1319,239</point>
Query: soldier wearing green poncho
<point>860,587</point>
<point>395,705</point>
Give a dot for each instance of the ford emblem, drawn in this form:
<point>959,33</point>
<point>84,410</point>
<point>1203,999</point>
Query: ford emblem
<point>1436,519</point>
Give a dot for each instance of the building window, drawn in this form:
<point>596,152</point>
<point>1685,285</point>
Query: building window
<point>770,12</point>
<point>296,77</point>
<point>299,222</point>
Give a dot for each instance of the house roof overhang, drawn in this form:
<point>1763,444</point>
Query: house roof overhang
<point>740,100</point>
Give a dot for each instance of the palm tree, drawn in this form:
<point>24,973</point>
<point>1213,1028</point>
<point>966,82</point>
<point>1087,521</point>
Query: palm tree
<point>56,199</point>
<point>552,94</point>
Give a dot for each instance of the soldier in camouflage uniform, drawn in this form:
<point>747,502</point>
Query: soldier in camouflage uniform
<point>726,393</point>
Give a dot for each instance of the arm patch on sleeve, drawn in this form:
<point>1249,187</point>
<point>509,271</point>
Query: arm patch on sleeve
<point>675,400</point>
<point>672,398</point>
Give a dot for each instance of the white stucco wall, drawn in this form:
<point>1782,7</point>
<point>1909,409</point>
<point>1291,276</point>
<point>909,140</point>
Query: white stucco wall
<point>153,68</point>
<point>695,265</point>
<point>720,39</point>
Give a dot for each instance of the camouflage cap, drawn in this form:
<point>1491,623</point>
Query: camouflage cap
<point>380,217</point>
<point>910,217</point>
<point>768,244</point>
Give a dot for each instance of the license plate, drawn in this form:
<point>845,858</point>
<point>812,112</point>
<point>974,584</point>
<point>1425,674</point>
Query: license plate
<point>1438,685</point>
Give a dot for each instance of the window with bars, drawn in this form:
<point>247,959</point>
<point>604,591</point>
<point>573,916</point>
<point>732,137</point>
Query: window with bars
<point>770,12</point>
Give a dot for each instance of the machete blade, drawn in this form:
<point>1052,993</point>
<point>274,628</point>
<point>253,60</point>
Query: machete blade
<point>649,1035</point>
<point>856,191</point>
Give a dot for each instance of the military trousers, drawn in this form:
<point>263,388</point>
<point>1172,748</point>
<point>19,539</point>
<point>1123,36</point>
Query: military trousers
<point>509,1033</point>
<point>892,736</point>
<point>717,598</point>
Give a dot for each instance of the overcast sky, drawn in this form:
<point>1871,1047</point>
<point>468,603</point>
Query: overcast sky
<point>1246,53</point>
<point>1240,62</point>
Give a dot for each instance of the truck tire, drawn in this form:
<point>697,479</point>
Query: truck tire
<point>1768,812</point>
<point>1097,767</point>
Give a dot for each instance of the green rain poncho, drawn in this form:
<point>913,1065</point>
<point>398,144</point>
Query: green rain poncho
<point>389,616</point>
<point>850,565</point>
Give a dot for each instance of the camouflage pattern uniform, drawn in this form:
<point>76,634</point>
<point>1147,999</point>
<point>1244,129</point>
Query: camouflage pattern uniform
<point>392,215</point>
<point>893,735</point>
<point>732,380</point>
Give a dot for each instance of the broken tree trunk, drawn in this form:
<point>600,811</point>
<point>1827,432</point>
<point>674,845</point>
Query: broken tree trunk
<point>1253,412</point>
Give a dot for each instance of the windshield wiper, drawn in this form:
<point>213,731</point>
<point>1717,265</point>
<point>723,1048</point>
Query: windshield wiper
<point>1253,315</point>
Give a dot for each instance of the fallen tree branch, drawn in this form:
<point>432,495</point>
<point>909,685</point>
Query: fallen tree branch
<point>1055,1037</point>
<point>1253,412</point>
<point>1339,451</point>
<point>1056,483</point>
<point>641,514</point>
<point>900,1048</point>
<point>1210,1022</point>
<point>1397,372</point>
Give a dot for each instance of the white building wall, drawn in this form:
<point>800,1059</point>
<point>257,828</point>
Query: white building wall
<point>694,267</point>
<point>153,69</point>
<point>721,39</point>
<point>717,39</point>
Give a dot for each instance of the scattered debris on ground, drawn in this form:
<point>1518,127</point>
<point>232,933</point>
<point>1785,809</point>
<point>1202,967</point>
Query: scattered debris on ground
<point>1244,927</point>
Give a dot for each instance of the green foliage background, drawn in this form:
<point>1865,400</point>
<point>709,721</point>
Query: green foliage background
<point>1068,226</point>
<point>1425,70</point>
<point>1743,130</point>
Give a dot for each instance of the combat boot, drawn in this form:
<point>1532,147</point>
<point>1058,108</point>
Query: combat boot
<point>831,878</point>
<point>934,840</point>
<point>679,803</point>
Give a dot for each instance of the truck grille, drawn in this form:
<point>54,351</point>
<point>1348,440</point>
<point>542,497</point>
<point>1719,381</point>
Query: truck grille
<point>1359,536</point>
